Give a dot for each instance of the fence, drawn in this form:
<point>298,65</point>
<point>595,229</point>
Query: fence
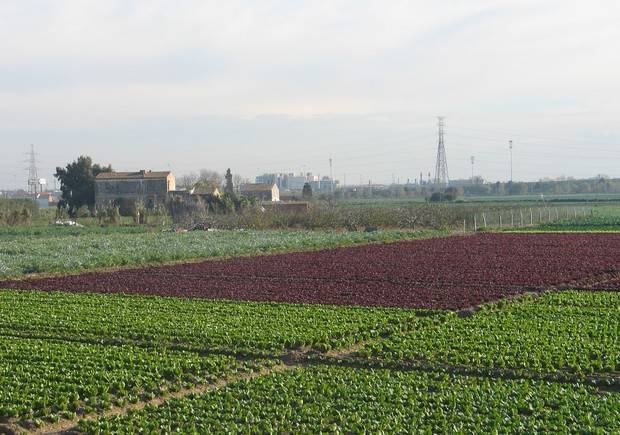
<point>522,217</point>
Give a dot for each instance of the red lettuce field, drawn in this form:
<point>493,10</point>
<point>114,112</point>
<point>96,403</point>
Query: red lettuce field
<point>444,273</point>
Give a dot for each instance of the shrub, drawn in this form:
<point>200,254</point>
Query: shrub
<point>82,212</point>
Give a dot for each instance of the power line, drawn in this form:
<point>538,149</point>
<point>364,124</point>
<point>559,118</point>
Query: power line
<point>33,173</point>
<point>505,133</point>
<point>441,166</point>
<point>548,145</point>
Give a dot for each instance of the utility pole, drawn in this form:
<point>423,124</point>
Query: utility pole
<point>510,147</point>
<point>472,169</point>
<point>331,177</point>
<point>441,166</point>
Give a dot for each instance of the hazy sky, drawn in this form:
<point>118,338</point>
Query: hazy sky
<point>285,85</point>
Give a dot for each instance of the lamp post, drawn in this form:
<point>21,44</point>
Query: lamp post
<point>510,147</point>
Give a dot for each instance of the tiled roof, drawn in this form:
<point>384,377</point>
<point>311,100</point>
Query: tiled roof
<point>132,175</point>
<point>256,187</point>
<point>205,190</point>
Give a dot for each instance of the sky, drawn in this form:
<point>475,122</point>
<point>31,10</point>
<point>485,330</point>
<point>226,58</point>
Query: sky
<point>283,86</point>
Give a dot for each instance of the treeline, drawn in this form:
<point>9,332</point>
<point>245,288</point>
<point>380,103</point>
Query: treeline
<point>546,187</point>
<point>481,188</point>
<point>335,216</point>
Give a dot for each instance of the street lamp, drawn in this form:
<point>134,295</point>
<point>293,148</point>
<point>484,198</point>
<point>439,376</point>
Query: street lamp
<point>510,147</point>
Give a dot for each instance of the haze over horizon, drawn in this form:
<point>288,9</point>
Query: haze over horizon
<point>284,86</point>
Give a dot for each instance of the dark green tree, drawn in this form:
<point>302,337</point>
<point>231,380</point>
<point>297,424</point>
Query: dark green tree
<point>77,183</point>
<point>228,187</point>
<point>306,191</point>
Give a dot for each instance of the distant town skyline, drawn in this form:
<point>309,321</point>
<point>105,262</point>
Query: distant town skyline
<point>285,86</point>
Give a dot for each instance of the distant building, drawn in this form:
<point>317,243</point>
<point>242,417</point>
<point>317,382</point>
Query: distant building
<point>262,191</point>
<point>295,182</point>
<point>460,182</point>
<point>208,189</point>
<point>273,178</point>
<point>145,186</point>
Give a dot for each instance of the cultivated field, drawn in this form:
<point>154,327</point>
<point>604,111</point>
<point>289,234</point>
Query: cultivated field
<point>490,332</point>
<point>69,250</point>
<point>439,273</point>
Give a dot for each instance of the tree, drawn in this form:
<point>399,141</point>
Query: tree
<point>238,180</point>
<point>306,191</point>
<point>205,177</point>
<point>449,194</point>
<point>228,188</point>
<point>77,183</point>
<point>210,175</point>
<point>516,188</point>
<point>187,181</point>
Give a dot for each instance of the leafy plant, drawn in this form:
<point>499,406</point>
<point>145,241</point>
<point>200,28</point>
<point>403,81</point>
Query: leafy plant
<point>344,400</point>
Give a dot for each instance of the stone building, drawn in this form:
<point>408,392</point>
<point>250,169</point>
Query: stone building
<point>145,186</point>
<point>262,191</point>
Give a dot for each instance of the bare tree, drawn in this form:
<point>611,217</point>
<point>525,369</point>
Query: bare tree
<point>187,181</point>
<point>212,176</point>
<point>238,180</point>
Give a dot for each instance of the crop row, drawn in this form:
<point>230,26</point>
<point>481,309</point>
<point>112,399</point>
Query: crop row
<point>571,332</point>
<point>196,324</point>
<point>448,272</point>
<point>54,379</point>
<point>84,249</point>
<point>336,399</point>
<point>590,223</point>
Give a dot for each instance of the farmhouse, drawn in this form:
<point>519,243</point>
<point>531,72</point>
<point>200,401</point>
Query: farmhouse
<point>206,190</point>
<point>145,186</point>
<point>262,191</point>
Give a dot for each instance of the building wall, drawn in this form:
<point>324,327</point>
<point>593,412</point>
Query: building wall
<point>264,195</point>
<point>296,182</point>
<point>148,191</point>
<point>275,193</point>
